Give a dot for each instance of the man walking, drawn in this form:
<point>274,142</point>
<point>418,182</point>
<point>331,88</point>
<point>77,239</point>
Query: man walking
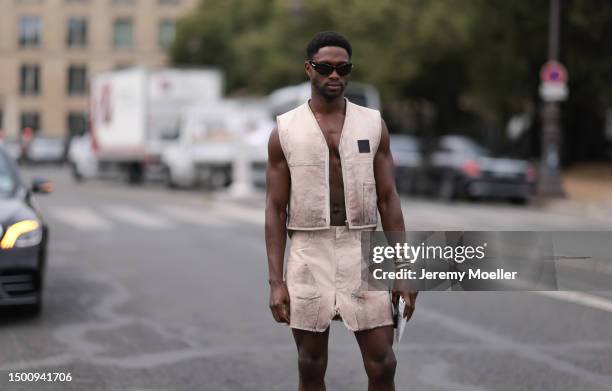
<point>330,172</point>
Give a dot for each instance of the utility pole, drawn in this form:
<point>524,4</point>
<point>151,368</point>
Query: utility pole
<point>552,91</point>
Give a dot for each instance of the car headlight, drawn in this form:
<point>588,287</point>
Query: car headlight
<point>25,233</point>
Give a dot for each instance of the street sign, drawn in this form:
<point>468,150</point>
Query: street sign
<point>553,72</point>
<point>553,87</point>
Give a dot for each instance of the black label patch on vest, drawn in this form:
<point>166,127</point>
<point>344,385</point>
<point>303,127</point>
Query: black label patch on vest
<point>364,146</point>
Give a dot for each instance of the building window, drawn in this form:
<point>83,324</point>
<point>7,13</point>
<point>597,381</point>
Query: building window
<point>76,32</point>
<point>77,123</point>
<point>29,79</point>
<point>167,30</point>
<point>77,80</point>
<point>29,31</point>
<point>30,120</point>
<point>123,31</point>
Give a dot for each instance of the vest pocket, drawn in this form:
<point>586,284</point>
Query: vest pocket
<point>308,199</point>
<point>370,208</point>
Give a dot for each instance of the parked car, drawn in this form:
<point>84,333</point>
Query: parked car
<point>23,243</point>
<point>459,167</point>
<point>407,161</point>
<point>44,149</point>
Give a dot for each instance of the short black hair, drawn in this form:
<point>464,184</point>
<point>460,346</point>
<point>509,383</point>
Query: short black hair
<point>327,38</point>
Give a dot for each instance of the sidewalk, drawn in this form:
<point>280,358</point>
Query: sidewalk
<point>588,188</point>
<point>590,182</point>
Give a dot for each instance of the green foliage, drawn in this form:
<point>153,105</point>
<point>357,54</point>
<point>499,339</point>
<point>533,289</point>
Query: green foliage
<point>261,44</point>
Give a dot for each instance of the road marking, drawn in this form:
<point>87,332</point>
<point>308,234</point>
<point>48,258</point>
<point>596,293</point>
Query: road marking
<point>81,218</point>
<point>491,338</point>
<point>591,266</point>
<point>582,298</point>
<point>241,213</point>
<point>134,216</point>
<point>193,215</point>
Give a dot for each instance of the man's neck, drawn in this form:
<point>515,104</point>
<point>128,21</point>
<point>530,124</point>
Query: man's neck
<point>320,104</point>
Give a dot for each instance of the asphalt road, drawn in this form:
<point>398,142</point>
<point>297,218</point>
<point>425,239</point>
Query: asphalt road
<point>150,289</point>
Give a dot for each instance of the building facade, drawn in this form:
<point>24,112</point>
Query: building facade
<point>50,48</point>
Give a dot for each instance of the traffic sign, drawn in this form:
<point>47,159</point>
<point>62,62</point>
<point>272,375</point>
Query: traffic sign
<point>553,72</point>
<point>554,82</point>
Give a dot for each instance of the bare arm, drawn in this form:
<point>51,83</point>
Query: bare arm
<point>388,200</point>
<point>390,209</point>
<point>278,182</point>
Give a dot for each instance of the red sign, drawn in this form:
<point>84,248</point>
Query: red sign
<point>553,72</point>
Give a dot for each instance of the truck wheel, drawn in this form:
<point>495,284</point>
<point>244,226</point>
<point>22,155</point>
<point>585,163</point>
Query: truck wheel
<point>135,174</point>
<point>519,200</point>
<point>218,178</point>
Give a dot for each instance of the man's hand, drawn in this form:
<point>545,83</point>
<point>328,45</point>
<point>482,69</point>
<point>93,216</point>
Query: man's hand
<point>409,297</point>
<point>279,301</point>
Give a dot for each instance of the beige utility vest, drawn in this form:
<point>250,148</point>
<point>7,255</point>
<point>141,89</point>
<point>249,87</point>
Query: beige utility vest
<point>307,155</point>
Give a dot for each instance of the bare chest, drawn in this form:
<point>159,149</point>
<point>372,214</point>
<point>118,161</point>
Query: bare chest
<point>331,126</point>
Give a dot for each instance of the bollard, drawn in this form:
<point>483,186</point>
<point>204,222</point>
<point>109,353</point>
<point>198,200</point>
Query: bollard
<point>242,181</point>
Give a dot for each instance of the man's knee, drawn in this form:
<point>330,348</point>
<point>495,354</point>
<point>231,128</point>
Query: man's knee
<point>312,364</point>
<point>381,368</point>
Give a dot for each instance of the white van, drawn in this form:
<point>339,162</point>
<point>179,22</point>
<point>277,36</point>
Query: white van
<point>287,98</point>
<point>211,135</point>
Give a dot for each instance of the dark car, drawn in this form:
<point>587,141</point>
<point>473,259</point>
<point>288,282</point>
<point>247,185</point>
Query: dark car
<point>23,243</point>
<point>407,160</point>
<point>459,167</point>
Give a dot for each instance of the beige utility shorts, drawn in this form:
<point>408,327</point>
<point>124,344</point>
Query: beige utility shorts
<point>323,277</point>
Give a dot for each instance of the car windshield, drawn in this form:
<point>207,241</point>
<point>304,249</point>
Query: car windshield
<point>7,177</point>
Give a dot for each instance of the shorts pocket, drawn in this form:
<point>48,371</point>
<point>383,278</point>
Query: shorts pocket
<point>370,208</point>
<point>373,308</point>
<point>301,282</point>
<point>304,313</point>
<point>304,296</point>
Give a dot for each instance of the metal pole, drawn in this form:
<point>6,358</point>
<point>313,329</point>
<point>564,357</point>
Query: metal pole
<point>553,30</point>
<point>549,183</point>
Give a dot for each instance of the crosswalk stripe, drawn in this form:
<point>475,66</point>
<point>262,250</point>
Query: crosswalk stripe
<point>236,212</point>
<point>193,216</point>
<point>81,218</point>
<point>134,216</point>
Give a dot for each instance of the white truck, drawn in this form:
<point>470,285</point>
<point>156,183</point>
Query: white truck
<point>135,113</point>
<point>215,139</point>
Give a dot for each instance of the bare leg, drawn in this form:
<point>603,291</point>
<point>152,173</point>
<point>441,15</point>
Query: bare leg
<point>312,358</point>
<point>378,357</point>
